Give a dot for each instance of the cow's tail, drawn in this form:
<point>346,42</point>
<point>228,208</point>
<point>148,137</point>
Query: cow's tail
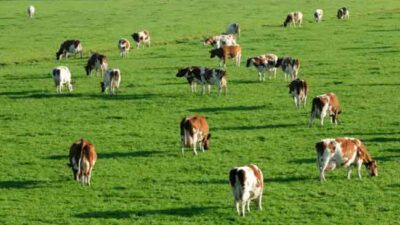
<point>81,155</point>
<point>232,177</point>
<point>305,88</point>
<point>314,104</point>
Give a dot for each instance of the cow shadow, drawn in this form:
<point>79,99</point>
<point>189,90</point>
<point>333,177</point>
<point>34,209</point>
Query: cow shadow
<point>386,158</point>
<point>271,126</point>
<point>228,108</point>
<point>38,95</point>
<point>303,161</point>
<point>382,139</point>
<point>26,184</point>
<point>121,214</point>
<point>287,179</point>
<point>122,96</point>
<point>112,155</point>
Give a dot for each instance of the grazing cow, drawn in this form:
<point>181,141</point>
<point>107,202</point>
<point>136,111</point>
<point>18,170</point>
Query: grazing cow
<point>195,130</point>
<point>332,153</point>
<point>203,76</point>
<point>264,63</point>
<point>96,62</point>
<point>233,28</point>
<point>323,105</point>
<point>234,52</point>
<point>69,46</point>
<point>343,13</point>
<point>298,89</point>
<point>294,18</point>
<point>62,76</point>
<point>124,46</point>
<point>318,14</point>
<point>31,11</point>
<point>220,40</point>
<point>141,37</point>
<point>289,65</point>
<point>111,81</point>
<point>82,157</point>
<point>247,184</point>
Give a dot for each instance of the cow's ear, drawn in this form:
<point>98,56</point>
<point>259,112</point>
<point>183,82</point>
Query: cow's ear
<point>340,111</point>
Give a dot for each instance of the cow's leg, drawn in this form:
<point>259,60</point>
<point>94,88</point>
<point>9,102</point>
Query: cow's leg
<point>298,101</point>
<point>322,116</point>
<point>325,162</point>
<point>259,201</point>
<point>194,146</point>
<point>248,205</point>
<point>245,197</point>
<point>304,101</point>
<point>237,207</point>
<point>219,88</point>
<point>312,116</point>
<point>203,87</point>
<point>349,172</point>
<point>359,165</point>
<point>259,75</point>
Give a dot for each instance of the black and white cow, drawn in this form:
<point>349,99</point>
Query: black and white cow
<point>142,37</point>
<point>290,66</point>
<point>69,47</point>
<point>343,13</point>
<point>97,62</point>
<point>264,63</point>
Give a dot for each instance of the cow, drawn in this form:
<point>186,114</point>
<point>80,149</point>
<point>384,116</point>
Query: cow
<point>332,153</point>
<point>290,66</point>
<point>293,18</point>
<point>263,63</point>
<point>298,89</point>
<point>69,47</point>
<point>111,81</point>
<point>62,77</point>
<point>95,62</point>
<point>233,28</point>
<point>203,76</point>
<point>220,40</point>
<point>142,37</point>
<point>247,184</point>
<point>31,11</point>
<point>124,46</point>
<point>323,105</point>
<point>194,130</point>
<point>318,14</point>
<point>82,157</point>
<point>343,13</point>
<point>234,52</point>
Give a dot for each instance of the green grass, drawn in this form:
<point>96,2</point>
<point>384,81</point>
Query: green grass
<point>140,176</point>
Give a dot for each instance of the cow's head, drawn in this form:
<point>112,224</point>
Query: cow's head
<point>206,142</point>
<point>58,55</point>
<point>339,14</point>
<point>88,69</point>
<point>288,20</point>
<point>216,52</point>
<point>183,72</point>
<point>372,168</point>
<point>208,41</point>
<point>103,87</point>
<point>250,62</point>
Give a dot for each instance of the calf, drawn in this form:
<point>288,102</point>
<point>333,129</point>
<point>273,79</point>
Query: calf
<point>323,105</point>
<point>62,76</point>
<point>298,89</point>
<point>318,14</point>
<point>82,157</point>
<point>204,75</point>
<point>290,66</point>
<point>220,40</point>
<point>343,13</point>
<point>233,28</point>
<point>96,62</point>
<point>247,184</point>
<point>195,130</point>
<point>31,11</point>
<point>142,37</point>
<point>111,81</point>
<point>264,63</point>
<point>69,47</point>
<point>124,46</point>
<point>234,52</point>
<point>294,18</point>
<point>332,153</point>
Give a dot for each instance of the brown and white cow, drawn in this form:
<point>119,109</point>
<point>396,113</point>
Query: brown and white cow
<point>142,37</point>
<point>298,89</point>
<point>290,66</point>
<point>96,62</point>
<point>332,153</point>
<point>264,63</point>
<point>69,47</point>
<point>247,183</point>
<point>294,18</point>
<point>204,76</point>
<point>124,46</point>
<point>323,105</point>
<point>343,13</point>
<point>82,157</point>
<point>234,52</point>
<point>233,28</point>
<point>220,40</point>
<point>194,130</point>
<point>111,81</point>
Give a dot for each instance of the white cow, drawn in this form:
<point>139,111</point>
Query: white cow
<point>61,77</point>
<point>318,14</point>
<point>111,81</point>
<point>31,11</point>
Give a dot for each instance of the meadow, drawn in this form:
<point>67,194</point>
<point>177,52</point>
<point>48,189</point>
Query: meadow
<point>140,176</point>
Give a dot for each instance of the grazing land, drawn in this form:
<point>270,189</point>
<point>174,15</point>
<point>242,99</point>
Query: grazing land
<point>140,176</point>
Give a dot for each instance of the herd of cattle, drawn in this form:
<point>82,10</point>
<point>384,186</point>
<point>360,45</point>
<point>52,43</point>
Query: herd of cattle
<point>246,181</point>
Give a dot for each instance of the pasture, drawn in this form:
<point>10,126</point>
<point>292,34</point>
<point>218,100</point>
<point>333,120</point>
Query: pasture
<point>140,176</point>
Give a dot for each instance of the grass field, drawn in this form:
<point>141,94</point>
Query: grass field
<point>140,176</point>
